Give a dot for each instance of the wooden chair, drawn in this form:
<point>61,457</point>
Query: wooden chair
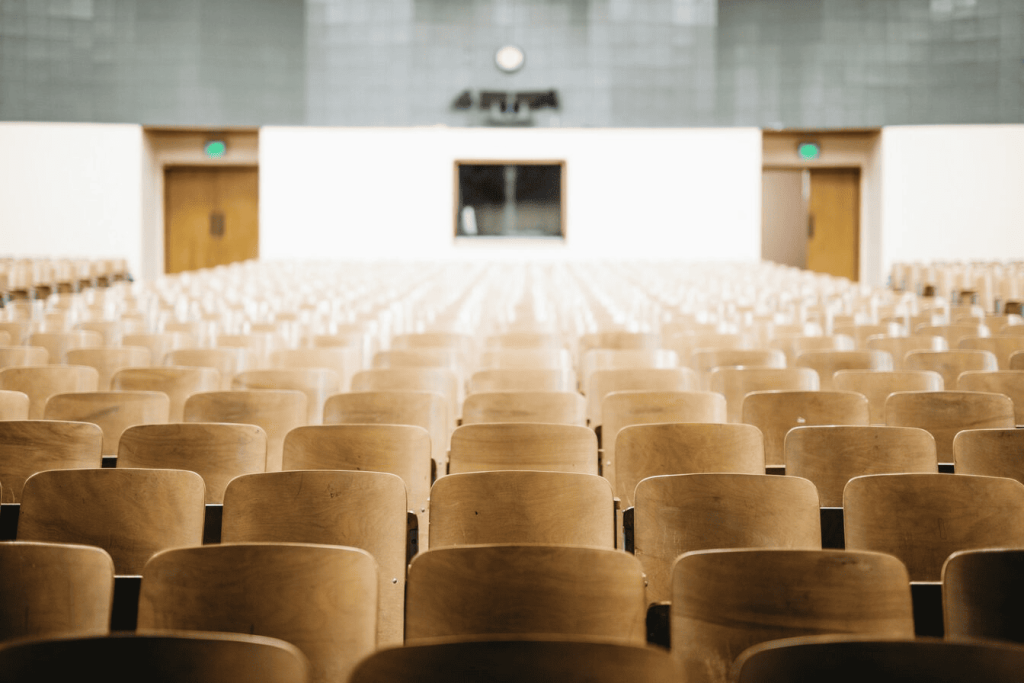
<point>828,363</point>
<point>848,659</point>
<point>511,379</point>
<point>703,361</point>
<point>416,408</point>
<point>40,382</point>
<point>944,413</point>
<point>549,407</point>
<point>982,596</point>
<point>625,408</point>
<point>794,345</point>
<point>227,361</point>
<point>342,360</point>
<point>164,658</point>
<point>685,345</point>
<point>526,359</point>
<point>316,383</point>
<point>989,452</point>
<point>108,360</point>
<point>679,513</point>
<point>131,514</point>
<point>736,383</point>
<point>160,343</point>
<point>218,452</point>
<point>18,331</point>
<point>523,340</point>
<point>530,446</point>
<point>14,405</point>
<point>447,358</point>
<point>265,589</point>
<point>776,412</point>
<point>876,386</point>
<point>31,446</point>
<point>1016,361</point>
<point>57,344</point>
<point>112,331</point>
<point>437,380</point>
<point>1007,382</point>
<point>604,382</point>
<point>953,334</point>
<point>512,661</point>
<point>560,591</point>
<point>830,456</point>
<point>618,340</point>
<point>899,347</point>
<point>364,510</point>
<point>861,333</point>
<point>623,359</point>
<point>446,340</point>
<point>16,356</point>
<point>112,411</point>
<point>1002,347</point>
<point>53,589</point>
<point>521,507</point>
<point>724,601</point>
<point>950,364</point>
<point>177,381</point>
<point>924,518</point>
<point>276,411</point>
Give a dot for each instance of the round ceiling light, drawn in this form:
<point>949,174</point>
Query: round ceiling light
<point>509,58</point>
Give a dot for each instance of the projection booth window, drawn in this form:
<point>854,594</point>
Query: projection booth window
<point>521,199</point>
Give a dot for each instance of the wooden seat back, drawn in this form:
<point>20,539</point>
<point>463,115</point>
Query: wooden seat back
<point>604,382</point>
<point>736,383</point>
<point>111,411</point>
<point>177,381</point>
<point>108,360</point>
<point>344,361</point>
<point>899,347</point>
<point>950,364</point>
<point>523,446</point>
<point>14,405</point>
<point>1007,382</point>
<point>828,363</point>
<point>57,344</point>
<point>160,343</point>
<point>876,386</point>
<point>226,360</point>
<point>703,361</point>
<point>982,594</point>
<point>316,383</point>
<point>40,382</point>
<point>623,359</point>
<point>794,345</point>
<point>526,359</point>
<point>15,356</point>
<point>1002,347</point>
<point>990,452</point>
<point>550,407</point>
<point>510,379</point>
<point>437,380</point>
<point>31,446</point>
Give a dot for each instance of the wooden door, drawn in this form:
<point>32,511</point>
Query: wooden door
<point>211,216</point>
<point>833,239</point>
<point>784,217</point>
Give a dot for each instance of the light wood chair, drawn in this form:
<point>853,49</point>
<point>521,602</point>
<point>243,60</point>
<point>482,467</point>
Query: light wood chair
<point>218,452</point>
<point>861,333</point>
<point>438,380</point>
<point>876,386</point>
<point>503,590</point>
<point>51,589</point>
<point>618,340</point>
<point>623,359</point>
<point>1016,361</point>
<point>422,357</point>
<point>625,408</point>
<point>364,510</point>
<point>57,344</point>
<point>736,383</point>
<point>108,360</point>
<point>5,338</point>
<point>1002,347</point>
<point>549,407</point>
<point>989,452</point>
<point>829,456</point>
<point>112,331</point>
<point>316,383</point>
<point>276,411</point>
<point>166,658</point>
<point>686,344</point>
<point>944,413</point>
<point>1007,382</point>
<point>18,331</point>
<point>227,361</point>
<point>31,446</point>
<point>522,507</point>
<point>604,382</point>
<point>524,340</point>
<point>447,340</point>
<point>680,513</point>
<point>529,446</point>
<point>131,513</point>
<point>14,405</point>
<point>342,360</point>
<point>950,364</point>
<point>265,589</point>
<point>16,356</point>
<point>924,518</point>
<point>828,363</point>
<point>40,382</point>
<point>953,334</point>
<point>724,601</point>
<point>112,411</point>
<point>794,345</point>
<point>982,595</point>
<point>160,343</point>
<point>511,379</point>
<point>177,381</point>
<point>514,660</point>
<point>776,412</point>
<point>899,347</point>
<point>526,359</point>
<point>703,361</point>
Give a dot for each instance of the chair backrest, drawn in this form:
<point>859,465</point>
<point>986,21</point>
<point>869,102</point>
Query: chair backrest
<point>108,360</point>
<point>982,594</point>
<point>989,452</point>
<point>794,345</point>
<point>944,413</point>
<point>776,412</point>
<point>14,356</point>
<point>550,407</point>
<point>1016,361</point>
<point>876,386</point>
<point>216,451</point>
<point>19,330</point>
<point>523,340</point>
<point>523,446</point>
<point>58,343</point>
<point>316,383</point>
<point>954,333</point>
<point>52,589</point>
<point>1002,347</point>
<point>276,411</point>
<point>1007,382</point>
<point>112,411</point>
<point>950,364</point>
<point>703,361</point>
<point>364,510</point>
<point>131,514</point>
<point>830,456</point>
<point>924,518</point>
<point>828,363</point>
<point>436,380</point>
<point>159,343</point>
<point>526,359</point>
<point>736,383</point>
<point>604,382</point>
<point>618,340</point>
<point>265,589</point>
<point>178,382</point>
<point>342,360</point>
<point>525,589</point>
<point>623,359</point>
<point>724,601</point>
<point>522,507</point>
<point>40,382</point>
<point>899,347</point>
<point>14,405</point>
<point>861,333</point>
<point>528,379</point>
<point>680,513</point>
<point>31,446</point>
<point>226,360</point>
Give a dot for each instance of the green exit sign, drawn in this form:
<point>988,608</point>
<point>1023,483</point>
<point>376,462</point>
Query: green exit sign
<point>808,151</point>
<point>215,149</point>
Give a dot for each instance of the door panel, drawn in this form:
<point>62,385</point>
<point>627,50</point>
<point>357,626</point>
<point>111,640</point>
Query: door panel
<point>834,222</point>
<point>783,217</point>
<point>211,217</point>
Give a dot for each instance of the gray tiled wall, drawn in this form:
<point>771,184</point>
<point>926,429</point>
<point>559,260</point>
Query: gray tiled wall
<point>770,63</point>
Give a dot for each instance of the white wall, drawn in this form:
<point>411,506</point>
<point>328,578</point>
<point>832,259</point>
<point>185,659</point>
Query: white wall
<point>71,190</point>
<point>337,193</point>
<point>952,193</point>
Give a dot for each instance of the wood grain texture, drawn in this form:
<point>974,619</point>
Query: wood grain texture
<point>527,379</point>
<point>436,380</point>
<point>794,345</point>
<point>521,507</point>
<point>160,343</point>
<point>899,347</point>
<point>177,381</point>
<point>861,332</point>
<point>876,386</point>
<point>776,412</point>
<point>680,513</point>
<point>112,411</point>
<point>218,452</point>
<point>703,361</point>
<point>549,407</point>
<point>108,360</point>
<point>360,509</point>
<point>623,359</point>
<point>227,361</point>
<point>526,359</point>
<point>990,452</point>
<point>57,344</point>
<point>724,601</point>
<point>533,446</point>
<point>827,363</point>
<point>15,356</point>
<point>945,413</point>
<point>950,364</point>
<point>1001,346</point>
<point>924,518</point>
<point>344,361</point>
<point>316,383</point>
<point>953,334</point>
<point>525,589</point>
<point>14,405</point>
<point>131,514</point>
<point>618,340</point>
<point>1007,382</point>
<point>604,382</point>
<point>736,383</point>
<point>19,330</point>
<point>983,596</point>
<point>112,331</point>
<point>1016,361</point>
<point>31,446</point>
<point>524,340</point>
<point>265,589</point>
<point>40,382</point>
<point>276,411</point>
<point>830,456</point>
